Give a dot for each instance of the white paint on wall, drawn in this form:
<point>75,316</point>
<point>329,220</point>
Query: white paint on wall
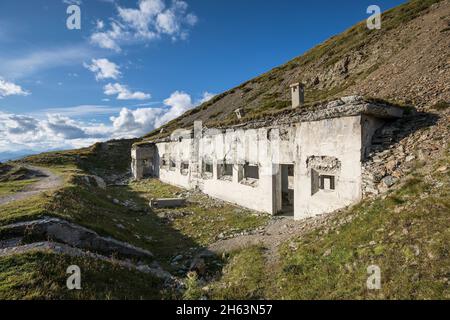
<point>338,142</point>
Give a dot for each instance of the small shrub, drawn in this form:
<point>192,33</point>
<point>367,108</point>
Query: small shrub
<point>193,290</point>
<point>441,105</point>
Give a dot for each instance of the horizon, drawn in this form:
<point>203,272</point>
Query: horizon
<point>121,76</point>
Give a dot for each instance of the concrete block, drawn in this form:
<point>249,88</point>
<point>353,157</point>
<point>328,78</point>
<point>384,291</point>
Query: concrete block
<point>167,203</point>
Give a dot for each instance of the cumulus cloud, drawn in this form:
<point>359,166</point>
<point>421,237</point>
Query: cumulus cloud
<point>206,96</point>
<point>27,133</point>
<point>18,124</point>
<point>64,127</point>
<point>109,39</point>
<point>58,130</point>
<point>103,69</point>
<point>178,102</point>
<point>99,24</point>
<point>150,20</point>
<point>123,93</point>
<point>11,89</point>
<point>134,123</point>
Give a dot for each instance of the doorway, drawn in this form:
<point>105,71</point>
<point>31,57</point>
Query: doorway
<point>287,189</point>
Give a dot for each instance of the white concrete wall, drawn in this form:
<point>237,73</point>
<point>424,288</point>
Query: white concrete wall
<point>259,147</point>
<point>339,138</point>
<point>180,152</point>
<point>342,139</point>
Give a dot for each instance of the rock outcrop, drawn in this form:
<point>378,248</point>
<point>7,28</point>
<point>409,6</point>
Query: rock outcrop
<point>62,231</point>
<point>59,248</point>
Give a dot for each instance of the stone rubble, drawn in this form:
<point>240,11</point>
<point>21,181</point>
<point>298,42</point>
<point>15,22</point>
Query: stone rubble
<point>398,145</point>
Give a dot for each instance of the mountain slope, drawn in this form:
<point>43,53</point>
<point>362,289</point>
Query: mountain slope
<point>407,61</point>
<point>405,231</point>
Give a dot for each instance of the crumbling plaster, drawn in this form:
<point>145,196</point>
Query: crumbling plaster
<point>327,155</point>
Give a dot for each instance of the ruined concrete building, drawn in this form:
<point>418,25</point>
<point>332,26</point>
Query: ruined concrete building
<point>306,161</point>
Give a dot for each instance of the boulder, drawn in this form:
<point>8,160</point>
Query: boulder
<point>198,265</point>
<point>389,181</point>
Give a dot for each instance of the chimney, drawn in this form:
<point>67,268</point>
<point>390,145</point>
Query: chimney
<point>239,113</point>
<point>298,95</point>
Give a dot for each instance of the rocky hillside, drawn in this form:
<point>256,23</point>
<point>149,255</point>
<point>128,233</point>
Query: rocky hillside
<point>407,62</point>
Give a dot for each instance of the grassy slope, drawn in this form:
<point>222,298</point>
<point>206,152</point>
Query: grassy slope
<point>305,270</point>
<point>39,275</point>
<point>14,179</point>
<point>11,187</point>
<point>268,94</point>
<point>406,235</point>
<point>95,208</point>
<point>103,159</point>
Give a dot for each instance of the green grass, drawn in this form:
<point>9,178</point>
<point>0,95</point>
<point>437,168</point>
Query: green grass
<point>25,209</point>
<point>441,105</point>
<point>11,187</point>
<point>204,218</point>
<point>40,275</point>
<point>243,276</point>
<point>386,233</point>
<point>97,209</point>
<point>96,159</point>
<point>406,234</point>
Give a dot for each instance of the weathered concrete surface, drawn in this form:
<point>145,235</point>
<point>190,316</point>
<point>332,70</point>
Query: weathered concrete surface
<point>338,139</point>
<point>74,235</point>
<point>339,132</point>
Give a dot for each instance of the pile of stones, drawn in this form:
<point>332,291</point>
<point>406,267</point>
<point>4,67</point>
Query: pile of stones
<point>398,145</point>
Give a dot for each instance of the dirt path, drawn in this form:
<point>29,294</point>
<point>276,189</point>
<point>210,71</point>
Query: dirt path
<point>50,181</point>
<point>278,231</point>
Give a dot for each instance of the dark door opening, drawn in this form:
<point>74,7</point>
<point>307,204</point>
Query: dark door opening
<point>287,189</point>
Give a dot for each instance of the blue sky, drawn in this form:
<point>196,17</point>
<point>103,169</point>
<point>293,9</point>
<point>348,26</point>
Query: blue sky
<point>137,64</point>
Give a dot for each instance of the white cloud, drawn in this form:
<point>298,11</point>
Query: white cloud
<point>25,133</point>
<point>191,19</point>
<point>109,39</point>
<point>99,24</point>
<point>21,124</point>
<point>206,96</point>
<point>134,123</point>
<point>69,2</point>
<point>123,93</point>
<point>28,64</point>
<point>11,89</point>
<point>150,20</point>
<point>82,110</point>
<point>58,129</point>
<point>178,103</point>
<point>103,69</point>
<point>64,127</point>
